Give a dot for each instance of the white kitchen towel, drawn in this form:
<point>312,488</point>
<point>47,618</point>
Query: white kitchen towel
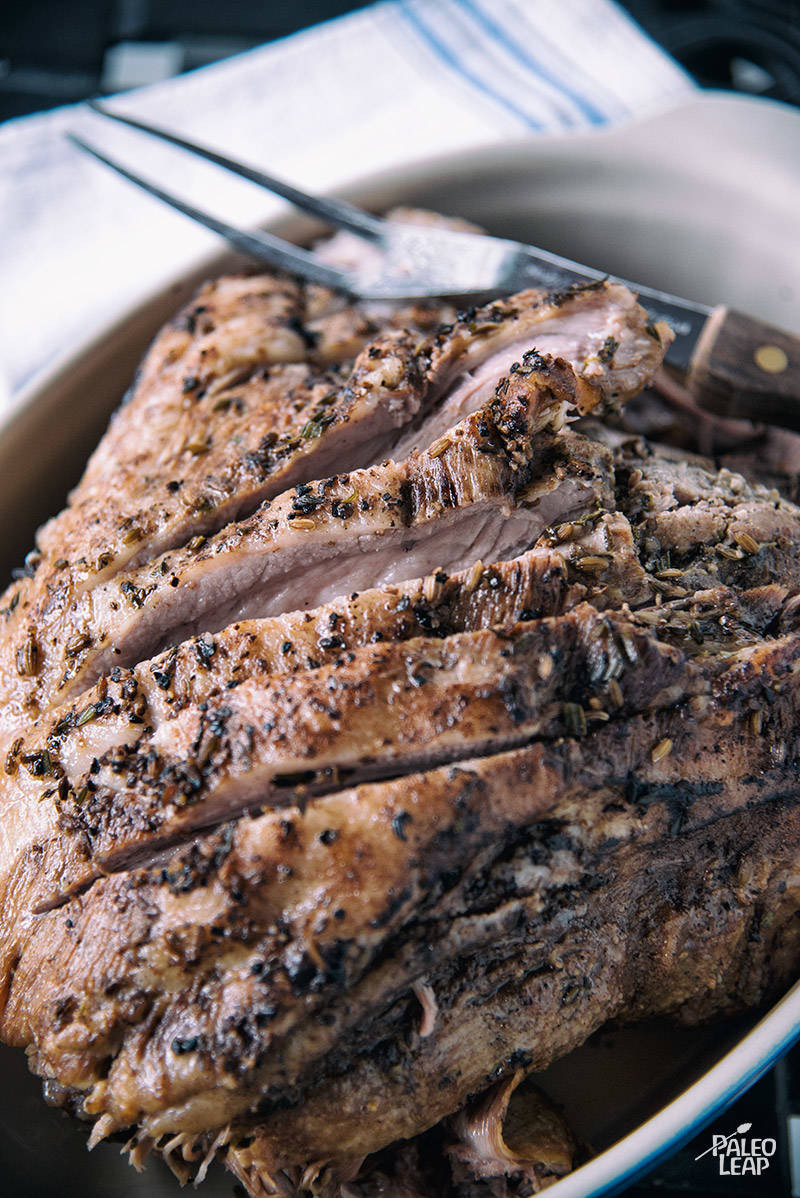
<point>396,82</point>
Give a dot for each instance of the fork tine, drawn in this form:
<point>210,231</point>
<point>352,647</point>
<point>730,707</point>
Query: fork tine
<point>333,212</point>
<point>263,246</point>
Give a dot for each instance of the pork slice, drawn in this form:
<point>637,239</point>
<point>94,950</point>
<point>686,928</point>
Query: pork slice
<point>233,330</point>
<point>376,712</point>
<point>217,454</point>
<point>486,493</point>
<point>218,963</point>
<point>527,587</point>
<point>209,360</point>
<point>249,363</point>
<point>600,330</point>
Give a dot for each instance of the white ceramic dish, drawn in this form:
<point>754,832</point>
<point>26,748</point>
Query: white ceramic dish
<point>703,201</point>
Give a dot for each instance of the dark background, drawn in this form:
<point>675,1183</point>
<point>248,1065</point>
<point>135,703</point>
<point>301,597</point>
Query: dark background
<point>59,51</point>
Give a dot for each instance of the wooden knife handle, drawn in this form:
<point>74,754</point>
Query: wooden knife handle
<point>746,369</point>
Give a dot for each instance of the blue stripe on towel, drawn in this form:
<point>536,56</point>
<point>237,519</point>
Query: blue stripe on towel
<point>490,58</point>
<point>500,35</point>
<point>445,53</point>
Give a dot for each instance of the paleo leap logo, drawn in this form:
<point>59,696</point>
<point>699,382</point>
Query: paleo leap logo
<point>739,1157</point>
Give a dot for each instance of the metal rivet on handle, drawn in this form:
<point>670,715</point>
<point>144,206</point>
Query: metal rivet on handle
<point>771,358</point>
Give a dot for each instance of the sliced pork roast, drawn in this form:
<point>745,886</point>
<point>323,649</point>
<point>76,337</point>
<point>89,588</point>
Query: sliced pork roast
<point>486,490</point>
<point>174,488</point>
<point>371,738</point>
